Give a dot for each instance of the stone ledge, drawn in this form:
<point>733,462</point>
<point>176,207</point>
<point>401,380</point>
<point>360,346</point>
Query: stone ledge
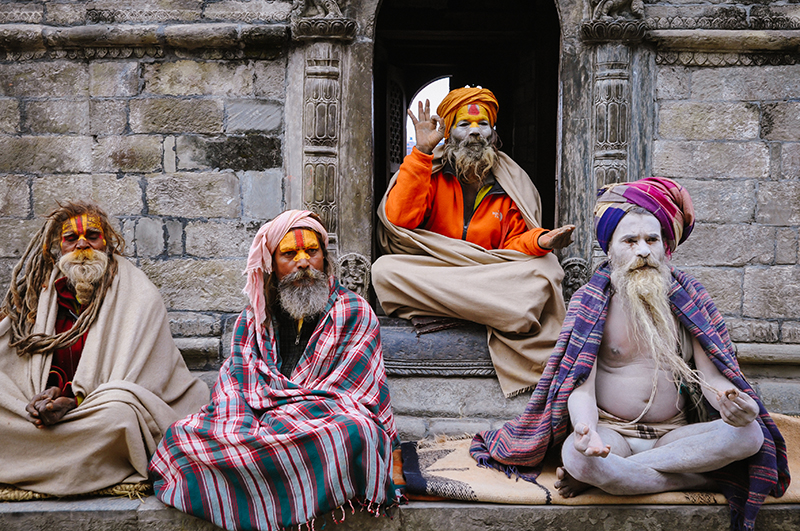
<point>737,41</point>
<point>768,353</point>
<point>109,514</point>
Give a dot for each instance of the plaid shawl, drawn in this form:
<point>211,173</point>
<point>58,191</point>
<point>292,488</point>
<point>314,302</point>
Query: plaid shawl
<point>520,445</point>
<point>270,452</point>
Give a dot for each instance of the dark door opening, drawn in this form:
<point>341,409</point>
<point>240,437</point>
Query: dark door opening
<point>508,46</point>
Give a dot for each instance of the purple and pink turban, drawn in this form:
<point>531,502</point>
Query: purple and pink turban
<point>259,260</point>
<point>667,200</point>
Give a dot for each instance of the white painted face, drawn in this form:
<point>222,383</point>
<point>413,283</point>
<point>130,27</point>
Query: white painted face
<point>637,235</point>
<point>471,120</point>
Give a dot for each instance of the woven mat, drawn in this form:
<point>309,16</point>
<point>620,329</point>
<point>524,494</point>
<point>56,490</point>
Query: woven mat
<point>444,469</point>
<point>130,490</point>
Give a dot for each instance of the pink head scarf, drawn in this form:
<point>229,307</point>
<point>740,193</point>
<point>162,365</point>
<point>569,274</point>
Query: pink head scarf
<point>259,260</point>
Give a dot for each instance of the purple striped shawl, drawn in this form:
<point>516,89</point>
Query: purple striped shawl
<point>269,452</point>
<point>519,446</point>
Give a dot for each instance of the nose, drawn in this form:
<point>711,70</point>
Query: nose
<point>82,243</point>
<point>642,249</point>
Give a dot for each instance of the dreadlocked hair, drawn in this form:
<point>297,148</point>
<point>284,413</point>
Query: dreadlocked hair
<point>32,274</point>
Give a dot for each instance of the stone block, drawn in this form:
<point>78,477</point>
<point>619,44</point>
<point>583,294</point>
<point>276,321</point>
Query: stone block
<point>113,79</point>
<point>786,246</point>
<point>772,292</point>
<point>17,233</point>
<point>244,116</point>
<point>46,79</point>
<point>746,83</point>
<point>107,117</point>
<point>672,83</point>
<point>753,331</point>
<point>696,120</point>
<point>270,81</point>
<point>458,427</point>
<point>128,232</point>
<point>262,194</point>
<point>149,237</point>
<point>170,158</point>
<point>194,195</point>
<point>219,239</point>
<point>228,324</point>
<point>155,115</point>
<point>57,117</point>
<point>779,203</point>
<point>116,196</point>
<point>192,78</point>
<point>248,11</point>
<point>723,284</point>
<point>199,285</point>
<point>130,153</point>
<point>200,353</point>
<point>780,396</point>
<point>790,332</point>
<point>45,154</point>
<point>194,324</point>
<point>9,115</point>
<point>790,160</point>
<point>14,196</point>
<point>175,237</point>
<point>727,245</point>
<point>249,153</point>
<point>781,121</point>
<point>410,428</point>
<point>6,268</point>
<point>711,160</point>
<point>722,201</point>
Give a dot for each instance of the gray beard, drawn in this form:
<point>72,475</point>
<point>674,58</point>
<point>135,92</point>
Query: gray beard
<point>307,299</point>
<point>84,269</point>
<point>473,159</point>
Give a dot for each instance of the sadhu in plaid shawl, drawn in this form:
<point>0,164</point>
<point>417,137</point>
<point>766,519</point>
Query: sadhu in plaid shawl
<point>520,445</point>
<point>271,452</point>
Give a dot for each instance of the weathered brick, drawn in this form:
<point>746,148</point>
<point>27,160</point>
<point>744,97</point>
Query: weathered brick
<point>219,239</point>
<point>17,233</point>
<point>246,116</point>
<point>754,83</point>
<point>128,232</point>
<point>723,284</point>
<point>191,78</point>
<point>786,246</point>
<point>693,120</point>
<point>772,292</point>
<point>14,196</point>
<point>149,236</point>
<point>45,154</point>
<point>175,235</point>
<point>116,196</point>
<point>262,195</point>
<point>752,331</point>
<point>779,203</point>
<point>176,116</point>
<point>194,195</point>
<point>790,160</point>
<point>453,397</point>
<point>9,115</point>
<point>113,79</point>
<point>781,121</point>
<point>251,152</point>
<point>270,79</point>
<point>790,332</point>
<point>199,352</point>
<point>49,79</point>
<point>716,160</point>
<point>727,245</point>
<point>194,324</point>
<point>722,201</point>
<point>57,117</point>
<point>199,285</point>
<point>131,153</point>
<point>780,396</point>
<point>672,83</point>
<point>107,117</point>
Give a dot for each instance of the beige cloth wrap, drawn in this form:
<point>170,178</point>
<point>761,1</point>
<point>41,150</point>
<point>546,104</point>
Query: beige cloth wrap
<point>135,384</point>
<point>518,297</point>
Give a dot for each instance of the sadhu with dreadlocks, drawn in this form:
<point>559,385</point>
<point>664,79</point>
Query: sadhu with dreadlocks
<point>89,374</point>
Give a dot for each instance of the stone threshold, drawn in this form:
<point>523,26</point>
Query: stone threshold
<point>148,514</point>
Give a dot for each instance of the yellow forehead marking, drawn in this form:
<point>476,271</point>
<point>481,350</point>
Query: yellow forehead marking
<point>473,113</point>
<point>299,241</point>
<point>81,224</point>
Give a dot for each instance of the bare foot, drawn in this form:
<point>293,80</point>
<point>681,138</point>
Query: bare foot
<point>568,486</point>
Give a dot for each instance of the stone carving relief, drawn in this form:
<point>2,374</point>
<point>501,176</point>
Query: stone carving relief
<point>577,272</point>
<point>697,58</point>
<point>316,8</point>
<point>614,20</point>
<point>611,102</point>
<point>606,9</point>
<point>314,19</point>
<point>354,272</point>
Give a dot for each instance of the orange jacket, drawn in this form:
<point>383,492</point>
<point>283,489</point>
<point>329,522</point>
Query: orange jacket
<point>435,202</point>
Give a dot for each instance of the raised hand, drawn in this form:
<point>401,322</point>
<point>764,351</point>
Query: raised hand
<point>589,443</point>
<point>429,129</point>
<point>557,238</point>
<point>737,408</point>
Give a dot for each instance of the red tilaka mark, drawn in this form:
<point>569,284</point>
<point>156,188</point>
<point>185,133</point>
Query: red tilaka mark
<point>79,224</point>
<point>473,109</point>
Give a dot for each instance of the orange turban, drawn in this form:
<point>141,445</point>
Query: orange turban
<point>464,96</point>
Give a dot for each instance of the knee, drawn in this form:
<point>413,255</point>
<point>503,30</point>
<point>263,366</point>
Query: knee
<point>576,464</point>
<point>748,439</point>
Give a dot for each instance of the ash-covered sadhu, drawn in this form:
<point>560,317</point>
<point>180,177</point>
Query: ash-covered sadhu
<point>90,377</point>
<point>461,226</point>
<point>300,420</point>
<point>688,419</point>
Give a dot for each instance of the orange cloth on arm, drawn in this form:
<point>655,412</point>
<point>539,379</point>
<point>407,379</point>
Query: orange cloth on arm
<point>435,202</point>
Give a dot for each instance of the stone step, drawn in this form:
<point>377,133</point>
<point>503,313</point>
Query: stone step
<point>148,514</point>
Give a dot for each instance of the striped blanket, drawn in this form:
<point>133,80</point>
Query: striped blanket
<point>270,452</point>
<point>520,445</point>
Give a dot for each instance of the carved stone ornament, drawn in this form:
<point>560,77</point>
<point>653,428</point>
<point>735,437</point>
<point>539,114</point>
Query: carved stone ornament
<point>615,20</point>
<point>576,273</point>
<point>320,19</point>
<point>439,368</point>
<point>354,272</point>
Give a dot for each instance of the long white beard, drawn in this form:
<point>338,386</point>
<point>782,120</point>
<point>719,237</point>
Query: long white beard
<point>306,299</point>
<point>84,268</point>
<point>471,157</point>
